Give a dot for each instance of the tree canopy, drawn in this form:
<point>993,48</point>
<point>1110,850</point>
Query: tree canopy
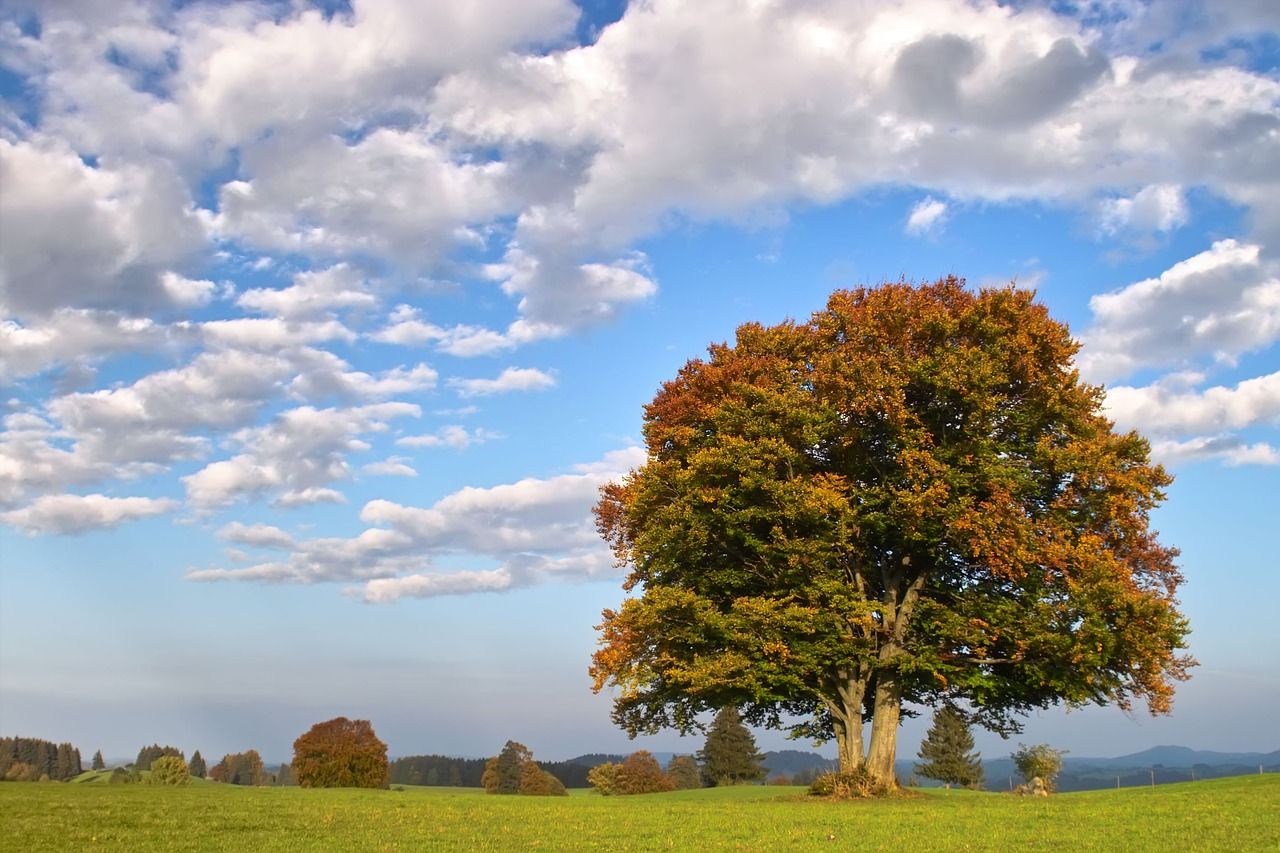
<point>912,497</point>
<point>340,753</point>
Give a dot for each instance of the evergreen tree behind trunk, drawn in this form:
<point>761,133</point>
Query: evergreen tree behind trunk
<point>197,765</point>
<point>946,751</point>
<point>730,756</point>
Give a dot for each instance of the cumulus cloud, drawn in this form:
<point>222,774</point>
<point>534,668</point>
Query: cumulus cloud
<point>58,514</point>
<point>451,435</point>
<point>1159,207</point>
<point>296,456</point>
<point>392,466</point>
<point>71,335</point>
<point>511,379</point>
<point>268,333</point>
<point>131,223</point>
<point>1230,449</point>
<point>927,215</point>
<point>1221,303</point>
<point>532,529</point>
<point>313,293</point>
<point>1163,410</point>
<point>257,535</point>
<point>406,327</point>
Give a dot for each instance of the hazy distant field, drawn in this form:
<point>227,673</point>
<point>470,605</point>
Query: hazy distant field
<point>1228,814</point>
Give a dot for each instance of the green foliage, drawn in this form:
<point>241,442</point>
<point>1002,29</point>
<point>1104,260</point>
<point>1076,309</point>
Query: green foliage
<point>38,759</point>
<point>729,756</point>
<point>1040,761</point>
<point>640,773</point>
<point>604,778</point>
<point>684,772</point>
<point>169,770</point>
<point>536,782</point>
<point>239,768</point>
<point>946,751</point>
<point>120,776</point>
<point>911,497</point>
<point>1231,814</point>
<point>149,754</point>
<point>513,771</point>
<point>197,766</point>
<point>340,753</point>
<point>502,773</point>
<point>285,776</point>
<point>98,763</point>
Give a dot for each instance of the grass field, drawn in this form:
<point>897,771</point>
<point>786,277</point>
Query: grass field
<point>1225,814</point>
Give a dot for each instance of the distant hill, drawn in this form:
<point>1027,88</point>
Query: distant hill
<point>1167,763</point>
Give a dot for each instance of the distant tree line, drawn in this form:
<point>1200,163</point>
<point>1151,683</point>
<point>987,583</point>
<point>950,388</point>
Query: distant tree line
<point>24,759</point>
<point>450,772</point>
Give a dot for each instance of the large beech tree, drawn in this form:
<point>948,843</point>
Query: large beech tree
<point>340,753</point>
<point>910,498</point>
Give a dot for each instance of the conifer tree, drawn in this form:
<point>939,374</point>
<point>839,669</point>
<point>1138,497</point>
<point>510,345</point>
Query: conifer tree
<point>729,756</point>
<point>99,764</point>
<point>197,765</point>
<point>946,751</point>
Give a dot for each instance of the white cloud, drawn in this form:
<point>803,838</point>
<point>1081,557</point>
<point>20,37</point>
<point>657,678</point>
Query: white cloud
<point>1222,302</point>
<point>58,514</point>
<point>1163,410</point>
<point>296,456</point>
<point>1230,449</point>
<point>927,215</point>
<point>267,333</point>
<point>322,375</point>
<point>1159,207</point>
<point>450,435</point>
<point>511,379</point>
<point>186,292</point>
<point>78,236</point>
<point>257,535</point>
<point>392,466</point>
<point>406,328</point>
<point>309,496</point>
<point>535,529</point>
<point>70,335</point>
<point>312,294</point>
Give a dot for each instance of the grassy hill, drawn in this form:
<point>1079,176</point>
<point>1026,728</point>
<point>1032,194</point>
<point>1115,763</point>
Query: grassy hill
<point>1230,814</point>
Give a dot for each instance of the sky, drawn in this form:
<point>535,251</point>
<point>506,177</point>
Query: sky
<point>322,324</point>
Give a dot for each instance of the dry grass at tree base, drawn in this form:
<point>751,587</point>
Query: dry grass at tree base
<point>1228,814</point>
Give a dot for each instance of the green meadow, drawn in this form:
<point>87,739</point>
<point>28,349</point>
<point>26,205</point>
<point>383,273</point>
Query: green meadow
<point>1228,814</point>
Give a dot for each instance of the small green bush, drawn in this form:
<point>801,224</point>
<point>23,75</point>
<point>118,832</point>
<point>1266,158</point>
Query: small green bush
<point>169,770</point>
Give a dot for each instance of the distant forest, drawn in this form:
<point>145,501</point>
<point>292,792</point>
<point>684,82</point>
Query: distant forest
<point>26,759</point>
<point>467,772</point>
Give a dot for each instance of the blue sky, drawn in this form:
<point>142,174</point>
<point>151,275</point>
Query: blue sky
<point>323,324</point>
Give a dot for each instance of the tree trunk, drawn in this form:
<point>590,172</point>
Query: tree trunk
<point>883,750</point>
<point>846,714</point>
